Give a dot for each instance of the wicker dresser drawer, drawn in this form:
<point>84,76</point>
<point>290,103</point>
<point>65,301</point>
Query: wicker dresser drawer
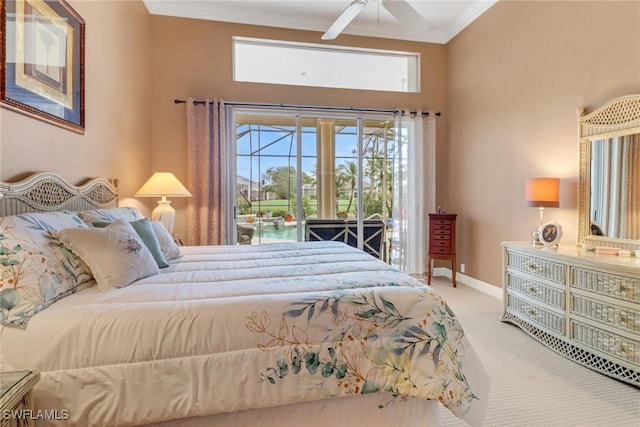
<point>627,319</point>
<point>537,267</point>
<point>539,291</point>
<point>612,285</point>
<point>533,312</point>
<point>607,342</point>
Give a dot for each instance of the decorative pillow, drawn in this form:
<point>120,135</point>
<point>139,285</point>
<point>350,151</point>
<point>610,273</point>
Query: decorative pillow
<point>145,230</point>
<point>115,254</point>
<point>35,270</point>
<point>168,247</point>
<point>110,214</point>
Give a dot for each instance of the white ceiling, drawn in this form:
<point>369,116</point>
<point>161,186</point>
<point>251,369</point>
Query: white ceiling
<point>446,17</point>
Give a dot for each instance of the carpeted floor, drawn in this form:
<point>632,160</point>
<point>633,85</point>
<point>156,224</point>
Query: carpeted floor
<point>532,385</point>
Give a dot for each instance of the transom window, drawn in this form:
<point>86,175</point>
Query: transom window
<point>306,64</point>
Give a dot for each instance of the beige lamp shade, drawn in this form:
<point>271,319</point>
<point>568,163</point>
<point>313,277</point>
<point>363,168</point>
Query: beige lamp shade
<point>543,192</point>
<point>163,184</point>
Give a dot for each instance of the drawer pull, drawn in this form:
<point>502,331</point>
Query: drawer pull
<point>532,312</point>
<point>617,287</point>
<point>624,287</point>
<point>624,319</point>
<point>533,289</point>
<point>621,348</point>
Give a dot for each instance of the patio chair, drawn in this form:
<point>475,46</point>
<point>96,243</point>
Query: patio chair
<point>373,236</point>
<point>245,235</point>
<point>346,231</point>
<point>325,229</point>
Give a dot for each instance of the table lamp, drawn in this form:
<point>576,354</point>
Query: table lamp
<point>542,193</point>
<point>163,184</point>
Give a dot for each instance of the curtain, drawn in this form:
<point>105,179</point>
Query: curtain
<point>631,194</point>
<point>414,190</point>
<point>206,172</point>
<point>615,182</point>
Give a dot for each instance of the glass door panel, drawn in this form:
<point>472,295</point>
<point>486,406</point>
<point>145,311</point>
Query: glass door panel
<point>345,172</point>
<point>266,153</point>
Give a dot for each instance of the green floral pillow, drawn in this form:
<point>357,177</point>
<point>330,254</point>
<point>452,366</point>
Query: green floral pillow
<point>36,270</point>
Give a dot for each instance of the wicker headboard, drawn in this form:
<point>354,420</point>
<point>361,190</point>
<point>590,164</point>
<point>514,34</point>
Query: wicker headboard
<point>48,192</point>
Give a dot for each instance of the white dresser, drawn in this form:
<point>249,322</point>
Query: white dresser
<point>583,305</point>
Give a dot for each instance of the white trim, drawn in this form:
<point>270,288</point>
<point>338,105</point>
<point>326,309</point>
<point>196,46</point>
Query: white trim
<point>469,281</point>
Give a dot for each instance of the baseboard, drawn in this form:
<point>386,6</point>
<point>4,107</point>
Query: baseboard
<point>469,281</point>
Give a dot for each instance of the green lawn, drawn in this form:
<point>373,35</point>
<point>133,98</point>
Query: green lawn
<point>288,206</point>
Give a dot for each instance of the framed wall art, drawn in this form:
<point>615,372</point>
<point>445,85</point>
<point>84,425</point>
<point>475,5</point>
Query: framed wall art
<point>43,61</point>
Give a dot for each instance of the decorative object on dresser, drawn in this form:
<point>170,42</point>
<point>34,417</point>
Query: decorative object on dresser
<point>442,242</point>
<point>550,233</point>
<point>15,398</point>
<point>542,193</point>
<point>583,305</point>
<point>163,184</point>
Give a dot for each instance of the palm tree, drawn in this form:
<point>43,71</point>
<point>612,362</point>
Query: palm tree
<point>350,172</point>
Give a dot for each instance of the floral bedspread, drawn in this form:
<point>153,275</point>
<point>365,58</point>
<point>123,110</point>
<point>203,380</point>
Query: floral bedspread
<point>398,339</point>
<point>230,328</point>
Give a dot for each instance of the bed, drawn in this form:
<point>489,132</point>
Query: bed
<point>310,333</point>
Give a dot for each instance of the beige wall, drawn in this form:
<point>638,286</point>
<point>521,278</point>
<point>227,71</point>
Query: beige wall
<point>117,91</point>
<point>515,78</point>
<point>193,58</point>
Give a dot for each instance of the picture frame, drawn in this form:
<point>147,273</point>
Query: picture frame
<point>550,233</point>
<point>42,56</point>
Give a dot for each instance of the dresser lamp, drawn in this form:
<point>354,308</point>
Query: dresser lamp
<point>542,193</point>
<point>163,184</point>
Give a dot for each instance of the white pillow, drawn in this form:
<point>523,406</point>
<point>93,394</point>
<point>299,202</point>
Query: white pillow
<point>115,254</point>
<point>168,246</point>
<point>110,214</point>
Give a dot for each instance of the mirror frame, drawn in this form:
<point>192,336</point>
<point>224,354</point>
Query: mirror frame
<point>618,117</point>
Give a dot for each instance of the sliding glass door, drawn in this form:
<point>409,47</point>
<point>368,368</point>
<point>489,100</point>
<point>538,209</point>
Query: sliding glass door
<point>292,167</point>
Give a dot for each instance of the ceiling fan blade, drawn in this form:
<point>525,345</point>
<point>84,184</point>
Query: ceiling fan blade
<point>344,19</point>
<point>406,14</point>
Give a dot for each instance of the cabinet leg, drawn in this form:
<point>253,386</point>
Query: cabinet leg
<point>454,264</point>
<point>429,261</point>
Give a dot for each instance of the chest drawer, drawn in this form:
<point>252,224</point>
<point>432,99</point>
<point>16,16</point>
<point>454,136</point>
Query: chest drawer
<point>539,291</point>
<point>444,237</point>
<point>441,224</point>
<point>624,318</point>
<point>607,342</point>
<point>440,250</point>
<point>537,267</point>
<point>612,285</point>
<point>535,313</point>
<point>441,242</point>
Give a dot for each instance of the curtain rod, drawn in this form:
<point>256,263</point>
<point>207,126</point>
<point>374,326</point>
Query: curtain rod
<point>309,107</point>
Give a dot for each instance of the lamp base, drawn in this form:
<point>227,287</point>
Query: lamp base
<point>164,213</point>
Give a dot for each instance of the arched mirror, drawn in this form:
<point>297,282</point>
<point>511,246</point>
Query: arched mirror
<point>609,181</point>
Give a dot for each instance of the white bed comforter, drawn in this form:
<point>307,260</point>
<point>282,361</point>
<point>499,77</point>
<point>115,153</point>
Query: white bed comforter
<point>230,328</point>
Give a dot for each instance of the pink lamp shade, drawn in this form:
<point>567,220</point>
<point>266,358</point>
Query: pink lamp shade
<point>543,192</point>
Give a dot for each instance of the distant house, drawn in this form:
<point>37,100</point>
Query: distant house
<point>251,190</point>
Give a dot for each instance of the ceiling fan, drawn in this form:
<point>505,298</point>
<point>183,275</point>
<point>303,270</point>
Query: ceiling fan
<point>400,9</point>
